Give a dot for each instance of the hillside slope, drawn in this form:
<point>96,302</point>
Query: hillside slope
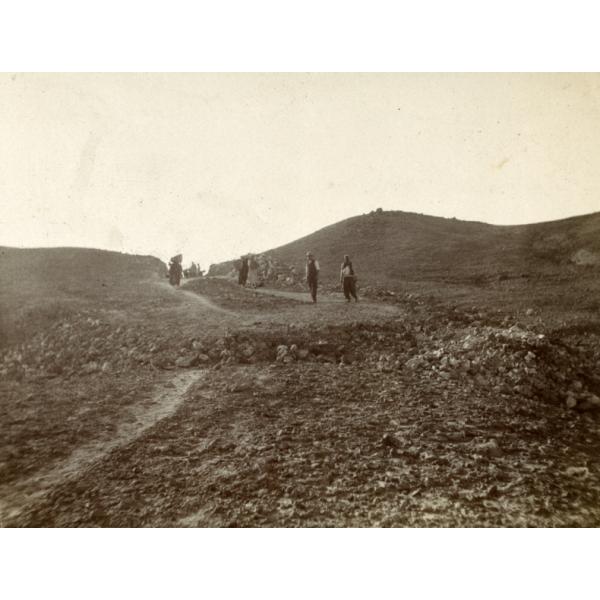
<point>40,284</point>
<point>397,245</point>
<point>390,246</point>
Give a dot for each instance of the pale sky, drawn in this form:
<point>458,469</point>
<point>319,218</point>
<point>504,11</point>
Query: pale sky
<point>214,165</point>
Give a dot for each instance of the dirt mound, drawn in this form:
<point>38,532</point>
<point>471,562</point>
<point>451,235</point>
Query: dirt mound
<point>43,285</point>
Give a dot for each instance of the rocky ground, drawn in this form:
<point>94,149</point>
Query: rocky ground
<point>214,405</point>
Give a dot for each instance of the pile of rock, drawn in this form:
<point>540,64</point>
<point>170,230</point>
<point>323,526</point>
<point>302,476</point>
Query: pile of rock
<point>371,291</point>
<point>84,345</point>
<point>510,361</point>
<point>278,347</point>
<point>264,269</point>
<point>270,270</point>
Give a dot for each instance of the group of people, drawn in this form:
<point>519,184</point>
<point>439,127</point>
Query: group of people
<point>193,271</point>
<point>177,272</point>
<point>347,274</point>
<point>347,277</point>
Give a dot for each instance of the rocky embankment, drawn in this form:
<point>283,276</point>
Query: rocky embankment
<point>480,349</point>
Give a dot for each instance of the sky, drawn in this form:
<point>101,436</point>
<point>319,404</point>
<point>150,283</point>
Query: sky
<point>215,165</point>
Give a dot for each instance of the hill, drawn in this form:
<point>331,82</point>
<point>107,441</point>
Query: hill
<point>40,285</point>
<point>392,246</point>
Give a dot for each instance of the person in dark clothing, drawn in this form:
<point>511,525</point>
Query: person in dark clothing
<point>312,274</point>
<point>244,268</point>
<point>348,279</point>
<point>175,272</point>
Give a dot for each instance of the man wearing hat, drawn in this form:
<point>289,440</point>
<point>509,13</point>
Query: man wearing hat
<point>312,274</point>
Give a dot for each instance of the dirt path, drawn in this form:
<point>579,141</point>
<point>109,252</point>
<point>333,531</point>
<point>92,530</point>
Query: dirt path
<point>195,298</point>
<point>17,497</point>
<point>333,298</point>
<point>301,296</point>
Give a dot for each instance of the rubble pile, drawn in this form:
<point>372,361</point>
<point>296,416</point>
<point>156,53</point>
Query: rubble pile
<point>83,346</point>
<point>509,361</point>
<point>371,291</point>
<point>265,269</point>
<point>272,271</point>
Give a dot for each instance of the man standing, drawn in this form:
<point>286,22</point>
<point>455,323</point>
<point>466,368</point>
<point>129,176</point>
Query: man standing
<point>244,267</point>
<point>312,274</point>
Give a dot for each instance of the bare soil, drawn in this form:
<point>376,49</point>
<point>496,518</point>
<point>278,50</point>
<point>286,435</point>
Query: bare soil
<point>222,406</point>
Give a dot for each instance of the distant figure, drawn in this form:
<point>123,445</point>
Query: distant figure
<point>252,278</point>
<point>312,274</point>
<point>175,271</point>
<point>348,279</point>
<point>192,271</point>
<point>244,268</point>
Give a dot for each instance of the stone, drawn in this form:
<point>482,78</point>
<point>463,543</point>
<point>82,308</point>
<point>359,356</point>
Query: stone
<point>241,386</point>
<point>415,362</point>
<point>481,380</point>
<point>571,401</point>
<point>593,400</point>
<point>490,448</point>
<point>384,367</point>
<point>91,367</point>
<point>391,441</point>
<point>248,350</point>
<point>185,362</point>
<point>282,352</point>
<point>578,472</point>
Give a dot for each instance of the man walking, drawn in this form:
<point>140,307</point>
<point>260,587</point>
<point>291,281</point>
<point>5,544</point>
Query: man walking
<point>348,279</point>
<point>312,274</point>
<point>175,270</point>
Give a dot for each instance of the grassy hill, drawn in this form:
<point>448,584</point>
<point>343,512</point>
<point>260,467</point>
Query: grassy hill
<point>40,285</point>
<point>390,246</point>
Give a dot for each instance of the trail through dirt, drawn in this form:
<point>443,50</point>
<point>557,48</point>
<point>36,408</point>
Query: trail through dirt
<point>15,498</point>
<point>301,296</point>
<point>195,298</point>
